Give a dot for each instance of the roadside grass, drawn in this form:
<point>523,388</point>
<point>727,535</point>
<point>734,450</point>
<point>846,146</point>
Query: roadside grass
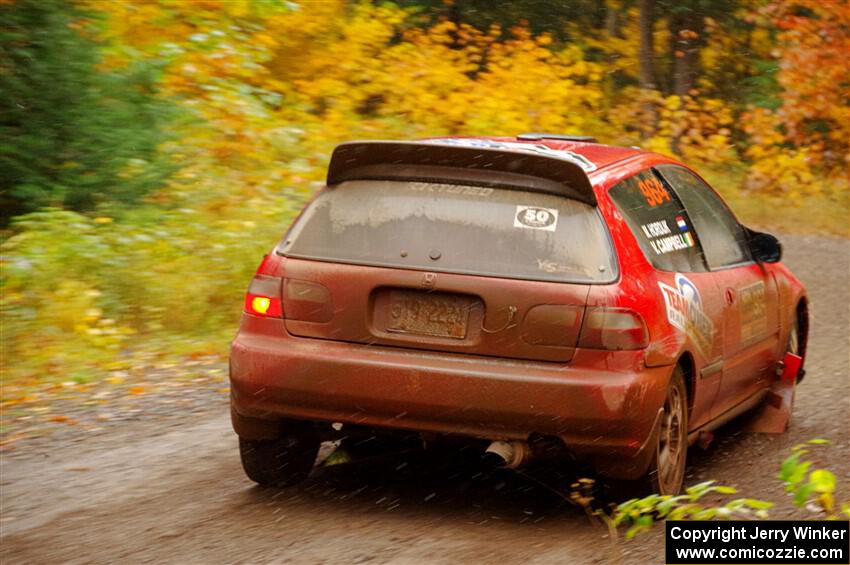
<point>824,213</point>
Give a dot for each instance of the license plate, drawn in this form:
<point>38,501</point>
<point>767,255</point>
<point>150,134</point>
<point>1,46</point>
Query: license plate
<point>441,315</point>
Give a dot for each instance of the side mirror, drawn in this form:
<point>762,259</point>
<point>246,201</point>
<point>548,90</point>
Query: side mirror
<point>764,247</point>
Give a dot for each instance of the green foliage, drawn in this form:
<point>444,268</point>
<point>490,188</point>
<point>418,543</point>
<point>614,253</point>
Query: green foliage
<point>72,134</point>
<point>543,16</point>
<point>640,513</point>
<point>809,486</point>
<point>761,88</point>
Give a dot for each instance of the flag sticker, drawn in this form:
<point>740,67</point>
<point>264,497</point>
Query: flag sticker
<point>683,225</point>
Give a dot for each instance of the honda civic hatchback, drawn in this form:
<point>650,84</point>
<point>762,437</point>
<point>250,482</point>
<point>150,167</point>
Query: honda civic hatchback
<point>519,293</point>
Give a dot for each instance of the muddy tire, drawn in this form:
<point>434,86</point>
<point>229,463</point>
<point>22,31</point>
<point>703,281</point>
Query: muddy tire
<point>281,462</point>
<point>667,468</point>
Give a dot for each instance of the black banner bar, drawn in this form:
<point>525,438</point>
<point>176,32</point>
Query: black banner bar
<point>771,542</point>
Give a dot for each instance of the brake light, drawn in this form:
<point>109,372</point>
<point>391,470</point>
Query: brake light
<point>613,329</point>
<point>263,296</point>
<point>263,305</point>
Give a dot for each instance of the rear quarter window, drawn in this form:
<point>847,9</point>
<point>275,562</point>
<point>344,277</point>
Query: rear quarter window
<point>455,228</point>
<point>659,222</point>
<point>721,236</point>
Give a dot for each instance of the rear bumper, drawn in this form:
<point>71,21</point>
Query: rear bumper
<point>603,404</point>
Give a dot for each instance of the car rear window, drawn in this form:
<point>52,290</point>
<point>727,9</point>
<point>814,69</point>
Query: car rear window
<point>455,228</point>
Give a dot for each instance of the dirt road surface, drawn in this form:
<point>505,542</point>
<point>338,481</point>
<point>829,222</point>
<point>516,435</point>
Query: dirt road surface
<point>166,485</point>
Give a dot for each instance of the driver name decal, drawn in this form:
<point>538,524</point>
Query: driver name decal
<point>685,312</point>
<point>662,239</point>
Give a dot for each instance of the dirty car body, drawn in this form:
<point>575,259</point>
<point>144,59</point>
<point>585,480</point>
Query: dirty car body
<point>508,289</point>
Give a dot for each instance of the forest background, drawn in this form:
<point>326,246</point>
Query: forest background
<point>152,150</point>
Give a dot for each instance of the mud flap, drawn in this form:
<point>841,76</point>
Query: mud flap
<point>775,413</point>
<point>631,468</point>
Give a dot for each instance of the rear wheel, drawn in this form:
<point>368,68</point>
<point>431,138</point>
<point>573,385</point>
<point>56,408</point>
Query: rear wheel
<point>284,461</point>
<point>667,470</point>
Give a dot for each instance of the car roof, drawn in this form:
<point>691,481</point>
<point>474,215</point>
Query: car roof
<point>599,154</point>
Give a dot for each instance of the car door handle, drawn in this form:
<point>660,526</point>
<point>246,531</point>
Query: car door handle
<point>730,296</point>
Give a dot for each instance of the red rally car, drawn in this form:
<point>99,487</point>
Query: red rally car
<point>515,291</point>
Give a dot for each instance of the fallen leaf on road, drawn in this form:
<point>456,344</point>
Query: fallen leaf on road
<point>61,419</point>
<point>9,440</point>
<point>16,401</point>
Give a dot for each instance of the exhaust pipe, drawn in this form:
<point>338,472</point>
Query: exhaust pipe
<point>510,454</point>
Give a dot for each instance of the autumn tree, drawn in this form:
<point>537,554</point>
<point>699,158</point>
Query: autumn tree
<point>813,43</point>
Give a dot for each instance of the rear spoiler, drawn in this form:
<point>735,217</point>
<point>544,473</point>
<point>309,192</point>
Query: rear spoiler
<point>529,167</point>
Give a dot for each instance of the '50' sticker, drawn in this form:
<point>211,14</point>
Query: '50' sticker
<point>532,217</point>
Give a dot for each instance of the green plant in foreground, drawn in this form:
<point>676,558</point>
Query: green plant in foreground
<point>813,488</point>
<point>640,513</point>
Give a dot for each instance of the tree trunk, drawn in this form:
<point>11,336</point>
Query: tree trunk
<point>646,51</point>
<point>686,37</point>
<point>613,21</point>
<point>456,18</point>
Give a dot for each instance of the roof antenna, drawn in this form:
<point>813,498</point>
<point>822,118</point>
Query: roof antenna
<point>538,136</point>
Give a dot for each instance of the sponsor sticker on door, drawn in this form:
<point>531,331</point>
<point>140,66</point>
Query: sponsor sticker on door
<point>753,307</point>
<point>536,218</point>
<point>685,312</point>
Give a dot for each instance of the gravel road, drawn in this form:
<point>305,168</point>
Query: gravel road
<point>166,485</point>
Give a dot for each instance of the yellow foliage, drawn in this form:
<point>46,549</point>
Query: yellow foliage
<point>698,129</point>
<point>277,90</point>
<point>777,167</point>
